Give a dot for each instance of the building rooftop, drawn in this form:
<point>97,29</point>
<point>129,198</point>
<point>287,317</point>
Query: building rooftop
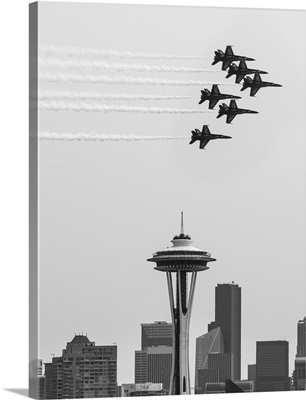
<point>80,339</point>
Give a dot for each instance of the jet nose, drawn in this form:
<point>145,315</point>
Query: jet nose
<point>250,59</point>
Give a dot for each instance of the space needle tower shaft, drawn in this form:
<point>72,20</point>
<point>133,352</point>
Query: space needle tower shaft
<point>180,260</point>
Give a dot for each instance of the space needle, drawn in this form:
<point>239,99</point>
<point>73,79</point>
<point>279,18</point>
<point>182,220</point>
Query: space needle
<point>181,258</point>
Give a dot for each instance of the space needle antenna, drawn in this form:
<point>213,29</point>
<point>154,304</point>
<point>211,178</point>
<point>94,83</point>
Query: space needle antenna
<point>182,223</point>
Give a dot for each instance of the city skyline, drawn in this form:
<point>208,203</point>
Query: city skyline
<point>106,207</point>
<point>211,360</point>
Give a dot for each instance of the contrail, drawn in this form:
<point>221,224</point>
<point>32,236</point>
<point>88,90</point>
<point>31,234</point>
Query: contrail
<point>125,80</point>
<point>106,96</point>
<point>88,107</point>
<point>101,65</point>
<point>109,53</point>
<point>92,136</point>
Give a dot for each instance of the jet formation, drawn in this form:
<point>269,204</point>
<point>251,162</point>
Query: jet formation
<point>205,136</point>
<point>241,71</point>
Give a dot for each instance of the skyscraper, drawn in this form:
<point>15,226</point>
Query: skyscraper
<point>154,361</point>
<point>272,366</point>
<point>83,370</point>
<point>159,362</point>
<point>299,374</point>
<point>181,259</point>
<point>205,344</point>
<point>301,338</point>
<point>219,368</point>
<point>157,334</point>
<point>228,318</point>
<point>141,369</point>
<point>154,365</point>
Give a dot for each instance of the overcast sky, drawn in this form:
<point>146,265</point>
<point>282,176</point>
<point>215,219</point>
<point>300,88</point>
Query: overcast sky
<point>107,206</point>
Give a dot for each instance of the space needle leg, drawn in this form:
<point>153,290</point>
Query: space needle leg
<point>172,309</point>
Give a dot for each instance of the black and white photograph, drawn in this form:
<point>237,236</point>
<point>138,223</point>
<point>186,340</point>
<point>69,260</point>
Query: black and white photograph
<point>166,199</point>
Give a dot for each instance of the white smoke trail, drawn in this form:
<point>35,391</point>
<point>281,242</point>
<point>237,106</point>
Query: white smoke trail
<point>87,107</point>
<point>125,80</point>
<point>101,65</point>
<point>109,53</point>
<point>106,96</point>
<point>92,136</point>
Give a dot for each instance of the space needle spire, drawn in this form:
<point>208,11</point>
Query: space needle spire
<point>182,223</point>
<point>180,260</point>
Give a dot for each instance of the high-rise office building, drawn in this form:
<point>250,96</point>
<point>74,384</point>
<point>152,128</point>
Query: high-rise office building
<point>272,366</point>
<point>211,342</point>
<point>157,334</point>
<point>153,362</point>
<point>141,369</point>
<point>301,338</point>
<point>83,370</point>
<point>228,318</point>
<point>159,362</point>
<point>181,260</point>
<point>299,374</point>
<point>219,368</point>
<point>154,365</point>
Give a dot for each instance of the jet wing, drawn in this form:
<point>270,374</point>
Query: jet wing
<point>254,90</point>
<point>229,51</point>
<point>225,65</point>
<point>192,140</point>
<point>203,143</point>
<point>212,103</point>
<point>230,118</point>
<point>239,78</point>
<point>215,89</point>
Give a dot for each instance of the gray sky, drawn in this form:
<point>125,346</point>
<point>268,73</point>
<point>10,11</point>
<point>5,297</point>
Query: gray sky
<point>105,207</point>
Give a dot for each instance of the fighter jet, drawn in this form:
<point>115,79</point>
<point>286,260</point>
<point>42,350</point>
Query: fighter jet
<point>214,96</point>
<point>232,111</point>
<point>241,71</point>
<point>228,57</point>
<point>256,83</point>
<point>205,136</point>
